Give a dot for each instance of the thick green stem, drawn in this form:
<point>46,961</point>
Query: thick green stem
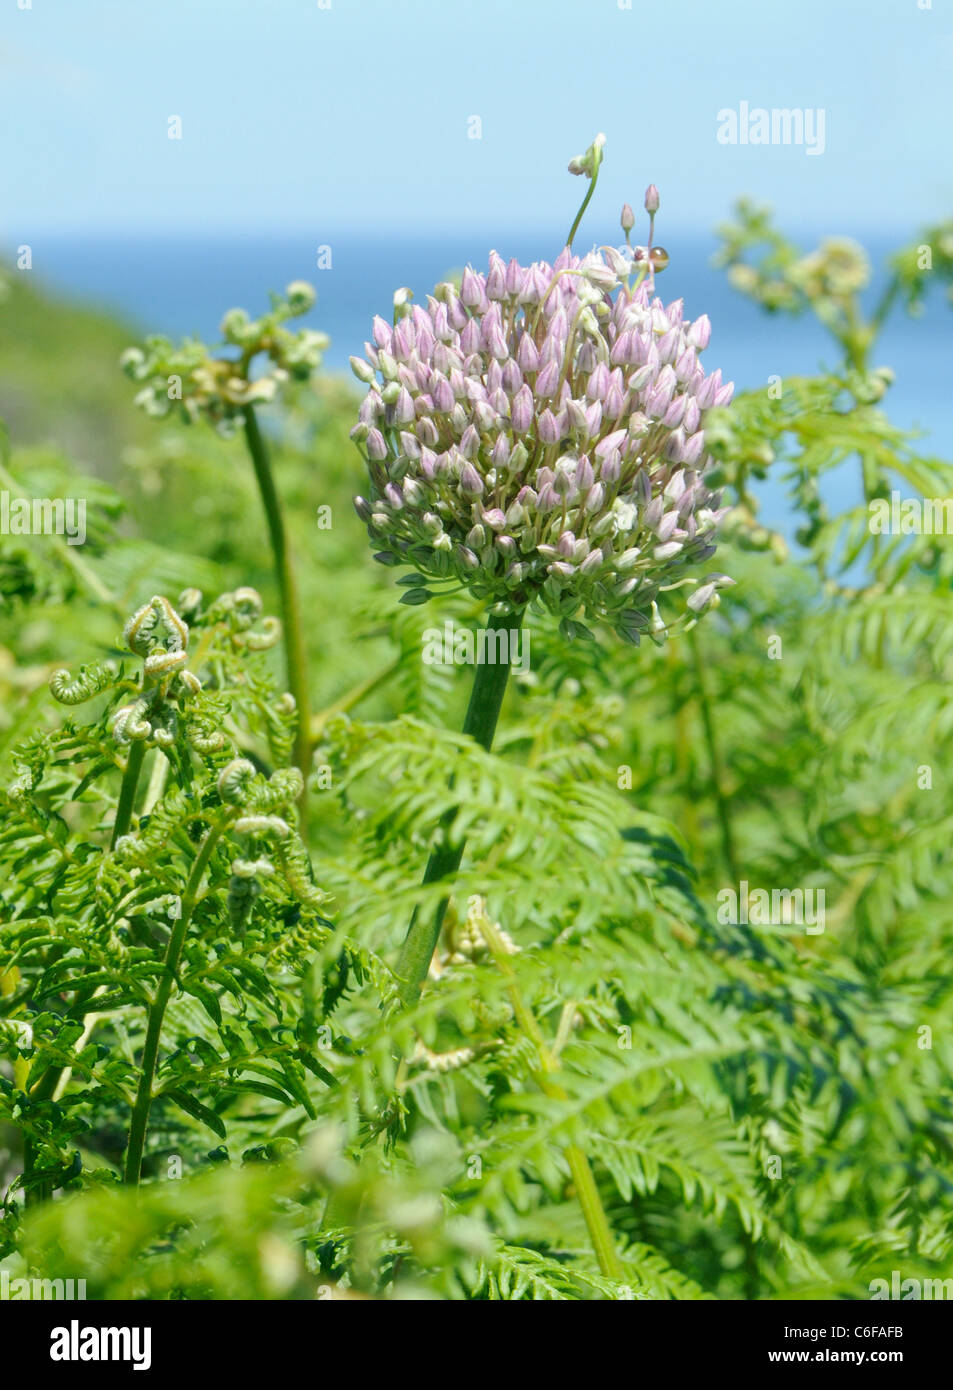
<point>295,660</point>
<point>483,711</point>
<point>486,699</point>
<point>143,1101</point>
<point>127,792</point>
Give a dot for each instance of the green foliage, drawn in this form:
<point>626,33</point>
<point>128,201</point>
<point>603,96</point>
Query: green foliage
<point>199,385</point>
<point>765,1112</point>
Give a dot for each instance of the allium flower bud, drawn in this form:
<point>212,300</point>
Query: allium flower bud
<point>496,280</point>
<point>471,484</point>
<point>548,380</point>
<point>522,414</point>
<point>364,371</point>
<point>376,448</point>
<point>700,332</point>
<point>651,200</point>
<point>588,163</point>
<point>539,438</point>
<point>628,218</point>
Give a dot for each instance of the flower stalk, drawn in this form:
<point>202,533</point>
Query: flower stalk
<point>587,164</point>
<point>293,635</point>
<point>483,711</point>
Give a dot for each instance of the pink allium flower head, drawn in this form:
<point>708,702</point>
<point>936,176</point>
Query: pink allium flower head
<point>537,436</point>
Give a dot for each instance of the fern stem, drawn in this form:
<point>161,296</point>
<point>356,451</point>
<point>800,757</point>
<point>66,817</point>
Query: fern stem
<point>157,780</point>
<point>597,1223</point>
<point>127,792</point>
<point>292,631</point>
<point>143,1101</point>
<point>483,711</point>
<point>587,1193</point>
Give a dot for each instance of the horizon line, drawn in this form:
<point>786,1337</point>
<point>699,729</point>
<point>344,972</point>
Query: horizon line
<point>93,232</point>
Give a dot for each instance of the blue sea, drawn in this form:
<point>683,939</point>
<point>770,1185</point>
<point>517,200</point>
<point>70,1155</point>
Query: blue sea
<point>182,286</point>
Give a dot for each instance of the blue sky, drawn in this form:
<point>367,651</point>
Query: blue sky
<point>311,116</point>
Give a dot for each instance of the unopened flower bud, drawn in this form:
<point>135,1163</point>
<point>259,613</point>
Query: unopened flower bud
<point>471,483</point>
<point>363,370</point>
